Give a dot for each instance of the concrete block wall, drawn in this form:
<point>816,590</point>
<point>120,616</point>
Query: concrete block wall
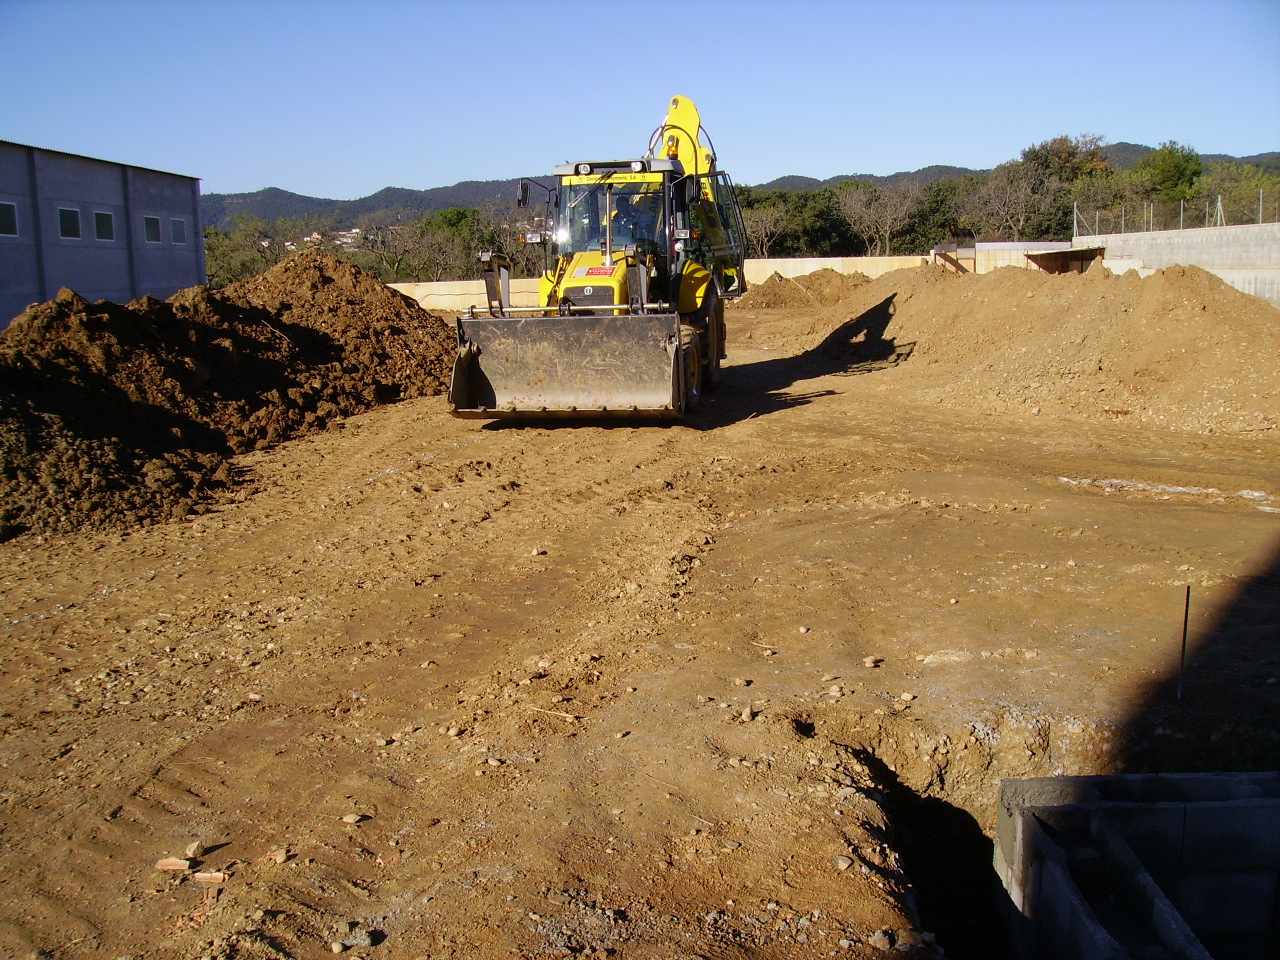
<point>1246,256</point>
<point>1198,854</point>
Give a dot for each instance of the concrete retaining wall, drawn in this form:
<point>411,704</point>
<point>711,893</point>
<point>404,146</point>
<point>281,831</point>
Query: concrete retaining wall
<point>758,271</point>
<point>1246,256</point>
<point>456,296</point>
<point>1098,868</point>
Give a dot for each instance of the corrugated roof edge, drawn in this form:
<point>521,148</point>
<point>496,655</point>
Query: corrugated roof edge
<point>81,156</point>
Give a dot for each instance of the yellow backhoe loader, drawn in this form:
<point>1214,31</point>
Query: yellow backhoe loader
<point>640,257</point>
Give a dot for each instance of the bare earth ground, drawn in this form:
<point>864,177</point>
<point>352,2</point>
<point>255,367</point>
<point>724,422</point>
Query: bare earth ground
<point>603,690</point>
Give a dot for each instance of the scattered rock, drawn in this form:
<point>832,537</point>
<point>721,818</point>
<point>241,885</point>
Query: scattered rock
<point>881,940</point>
<point>173,863</point>
<point>842,862</point>
<point>355,818</point>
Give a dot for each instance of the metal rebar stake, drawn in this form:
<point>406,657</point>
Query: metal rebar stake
<point>1186,617</point>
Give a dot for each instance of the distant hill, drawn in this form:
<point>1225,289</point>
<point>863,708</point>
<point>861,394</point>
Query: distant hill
<point>1125,155</point>
<point>272,203</point>
<point>922,176</point>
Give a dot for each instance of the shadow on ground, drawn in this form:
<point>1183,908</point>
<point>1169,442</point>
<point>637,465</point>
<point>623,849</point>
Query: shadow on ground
<point>1228,719</point>
<point>858,345</point>
<point>949,861</point>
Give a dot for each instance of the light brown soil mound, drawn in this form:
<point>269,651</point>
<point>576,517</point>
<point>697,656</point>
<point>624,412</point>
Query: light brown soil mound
<point>1179,349</point>
<point>821,287</point>
<point>120,414</point>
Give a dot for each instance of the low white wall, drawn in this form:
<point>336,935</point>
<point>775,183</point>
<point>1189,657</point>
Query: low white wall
<point>456,296</point>
<point>1257,244</point>
<point>758,271</point>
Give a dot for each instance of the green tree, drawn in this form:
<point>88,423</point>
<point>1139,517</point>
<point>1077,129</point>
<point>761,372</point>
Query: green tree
<point>1241,186</point>
<point>1167,174</point>
<point>938,217</point>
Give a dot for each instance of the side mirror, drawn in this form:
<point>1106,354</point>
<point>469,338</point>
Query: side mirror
<point>692,190</point>
<point>522,194</point>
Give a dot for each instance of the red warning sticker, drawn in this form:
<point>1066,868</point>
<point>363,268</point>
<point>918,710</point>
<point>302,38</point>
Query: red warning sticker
<point>600,271</point>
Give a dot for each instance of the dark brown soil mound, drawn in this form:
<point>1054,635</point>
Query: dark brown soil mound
<point>114,415</point>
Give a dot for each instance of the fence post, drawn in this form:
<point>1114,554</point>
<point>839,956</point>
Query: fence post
<point>1181,205</point>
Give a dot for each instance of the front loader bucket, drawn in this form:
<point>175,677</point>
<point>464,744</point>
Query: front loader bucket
<point>580,365</point>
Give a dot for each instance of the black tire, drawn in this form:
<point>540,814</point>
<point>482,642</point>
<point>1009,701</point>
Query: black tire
<point>714,309</point>
<point>691,354</point>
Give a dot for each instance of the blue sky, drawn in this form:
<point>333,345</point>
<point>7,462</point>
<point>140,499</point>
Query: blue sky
<point>338,100</point>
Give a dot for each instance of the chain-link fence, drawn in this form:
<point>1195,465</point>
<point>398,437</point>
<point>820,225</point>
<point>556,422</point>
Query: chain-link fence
<point>1216,211</point>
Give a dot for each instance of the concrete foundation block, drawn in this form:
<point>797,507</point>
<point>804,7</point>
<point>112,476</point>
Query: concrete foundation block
<point>1154,832</point>
<point>1238,835</point>
<point>1238,902</point>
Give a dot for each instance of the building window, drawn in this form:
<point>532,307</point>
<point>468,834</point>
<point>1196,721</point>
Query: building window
<point>8,219</point>
<point>104,225</point>
<point>151,229</point>
<point>178,231</point>
<point>68,224</point>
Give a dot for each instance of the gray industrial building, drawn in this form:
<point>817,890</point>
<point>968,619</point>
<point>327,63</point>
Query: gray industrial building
<point>109,231</point>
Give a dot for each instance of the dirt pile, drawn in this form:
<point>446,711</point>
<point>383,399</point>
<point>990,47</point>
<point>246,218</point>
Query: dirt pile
<point>117,414</point>
<point>821,287</point>
<point>1179,349</point>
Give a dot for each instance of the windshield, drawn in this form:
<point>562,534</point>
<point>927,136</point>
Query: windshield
<point>636,208</point>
